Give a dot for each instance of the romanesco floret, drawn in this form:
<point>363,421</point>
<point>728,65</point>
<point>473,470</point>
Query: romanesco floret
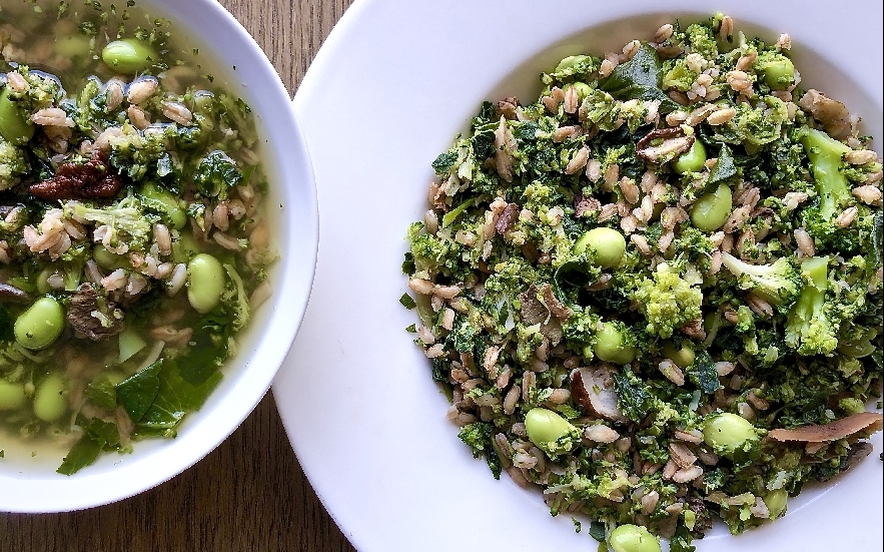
<point>668,301</point>
<point>779,283</point>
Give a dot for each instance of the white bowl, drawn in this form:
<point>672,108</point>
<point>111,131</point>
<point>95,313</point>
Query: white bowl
<point>31,485</point>
<point>369,428</point>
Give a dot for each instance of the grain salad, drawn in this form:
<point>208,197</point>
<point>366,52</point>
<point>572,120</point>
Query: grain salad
<point>654,293</point>
<point>133,244</point>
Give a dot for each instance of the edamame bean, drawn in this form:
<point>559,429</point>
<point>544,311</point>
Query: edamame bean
<point>683,357</point>
<point>205,282</point>
<point>776,502</point>
<point>545,428</point>
<point>128,55</point>
<point>14,126</point>
<point>728,431</point>
<point>107,260</point>
<point>40,325</point>
<point>611,344</point>
<point>72,46</point>
<point>50,400</point>
<point>779,74</point>
<point>164,203</point>
<point>711,211</point>
<point>633,538</point>
<point>603,246</point>
<point>692,160</point>
<point>12,395</point>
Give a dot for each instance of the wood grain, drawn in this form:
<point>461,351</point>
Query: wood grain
<point>250,494</point>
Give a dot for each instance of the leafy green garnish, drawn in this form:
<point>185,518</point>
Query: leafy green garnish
<point>137,392</point>
<point>639,79</point>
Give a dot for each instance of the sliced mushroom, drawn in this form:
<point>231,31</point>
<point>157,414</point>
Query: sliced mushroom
<point>94,316</point>
<point>504,144</point>
<point>839,429</point>
<point>831,113</point>
<point>593,389</point>
<point>10,293</point>
<point>540,306</point>
<point>663,145</point>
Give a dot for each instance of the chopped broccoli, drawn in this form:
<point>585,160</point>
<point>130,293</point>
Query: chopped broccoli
<point>13,164</point>
<point>779,283</point>
<point>702,41</point>
<point>809,329</point>
<point>755,126</point>
<point>216,174</point>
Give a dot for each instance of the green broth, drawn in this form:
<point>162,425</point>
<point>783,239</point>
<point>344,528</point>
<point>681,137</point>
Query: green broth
<point>132,228</point>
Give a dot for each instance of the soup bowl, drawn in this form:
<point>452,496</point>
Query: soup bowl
<point>28,477</point>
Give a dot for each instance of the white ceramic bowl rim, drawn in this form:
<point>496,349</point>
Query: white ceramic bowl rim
<point>265,343</point>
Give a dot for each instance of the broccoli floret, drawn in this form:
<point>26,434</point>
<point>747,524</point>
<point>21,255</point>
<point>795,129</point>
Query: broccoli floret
<point>573,68</point>
<point>809,329</point>
<point>216,174</point>
<point>668,301</point>
<point>826,163</point>
<point>756,126</point>
<point>128,226</point>
<point>779,283</point>
<point>776,69</point>
<point>13,164</point>
<point>678,76</point>
<point>702,40</point>
<point>602,109</point>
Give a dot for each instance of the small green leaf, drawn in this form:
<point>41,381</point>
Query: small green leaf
<point>639,79</point>
<point>137,392</point>
<point>703,373</point>
<point>82,454</point>
<point>724,168</point>
<point>102,392</point>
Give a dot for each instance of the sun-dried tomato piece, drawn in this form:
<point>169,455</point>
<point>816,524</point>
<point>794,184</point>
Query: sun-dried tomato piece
<point>89,180</point>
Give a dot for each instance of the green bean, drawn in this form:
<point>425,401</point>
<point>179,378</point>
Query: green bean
<point>50,399</point>
<point>128,55</point>
<point>692,160</point>
<point>40,325</point>
<point>546,427</point>
<point>14,126</point>
<point>603,246</point>
<point>205,282</point>
<point>633,538</point>
<point>611,344</point>
<point>12,395</point>
<point>711,211</point>
<point>728,432</point>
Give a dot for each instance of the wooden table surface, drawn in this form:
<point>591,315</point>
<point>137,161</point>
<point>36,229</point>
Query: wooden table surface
<point>250,493</point>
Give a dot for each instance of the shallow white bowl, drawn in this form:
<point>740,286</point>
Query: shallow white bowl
<point>387,92</point>
<point>31,485</point>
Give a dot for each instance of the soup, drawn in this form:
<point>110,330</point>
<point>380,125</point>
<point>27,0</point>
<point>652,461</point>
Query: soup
<point>133,247</point>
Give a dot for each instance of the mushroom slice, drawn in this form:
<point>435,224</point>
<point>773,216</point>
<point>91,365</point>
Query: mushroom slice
<point>593,389</point>
<point>10,293</point>
<point>663,145</point>
<point>831,113</point>
<point>839,429</point>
